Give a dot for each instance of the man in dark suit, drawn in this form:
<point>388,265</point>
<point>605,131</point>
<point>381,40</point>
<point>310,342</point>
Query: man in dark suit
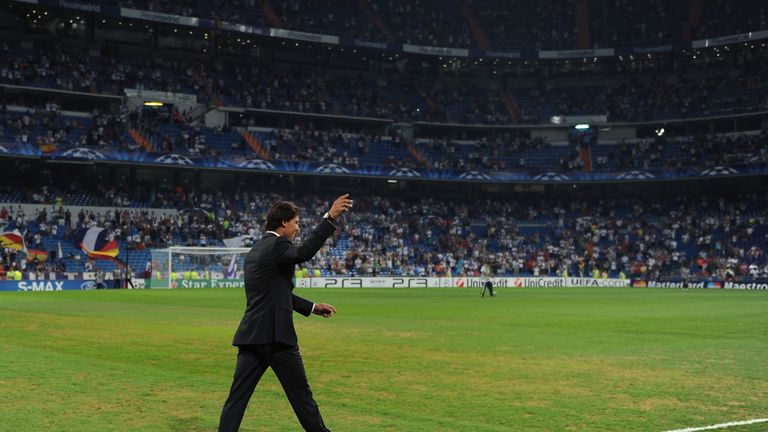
<point>266,336</point>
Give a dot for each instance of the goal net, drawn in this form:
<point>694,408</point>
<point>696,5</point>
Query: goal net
<point>197,267</point>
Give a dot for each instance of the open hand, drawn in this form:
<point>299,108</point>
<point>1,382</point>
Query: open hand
<point>324,310</point>
<point>341,205</point>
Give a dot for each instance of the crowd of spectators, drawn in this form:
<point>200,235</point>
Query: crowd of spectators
<point>723,237</point>
<point>525,24</point>
<point>710,88</point>
<point>336,17</point>
<point>425,22</point>
<point>497,152</point>
<point>632,237</point>
<point>44,126</point>
<point>712,84</point>
<point>532,24</point>
<point>172,132</point>
<point>318,146</point>
<point>508,152</point>
<point>422,22</point>
<point>255,86</point>
<point>698,151</point>
<point>727,17</point>
<point>619,23</point>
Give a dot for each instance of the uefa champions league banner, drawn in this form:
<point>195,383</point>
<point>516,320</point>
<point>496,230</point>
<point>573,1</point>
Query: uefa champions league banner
<point>19,149</point>
<point>138,156</point>
<point>317,168</point>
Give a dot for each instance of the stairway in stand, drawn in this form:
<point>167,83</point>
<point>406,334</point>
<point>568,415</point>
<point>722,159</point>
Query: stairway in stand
<point>272,15</point>
<point>140,139</point>
<point>365,6</point>
<point>582,24</point>
<point>470,15</point>
<point>254,144</point>
<point>512,107</point>
<point>419,156</point>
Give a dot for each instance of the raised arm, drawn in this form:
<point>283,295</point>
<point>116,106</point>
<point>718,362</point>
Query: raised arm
<point>287,252</point>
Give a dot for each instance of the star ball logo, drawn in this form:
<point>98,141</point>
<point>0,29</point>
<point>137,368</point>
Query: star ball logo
<point>83,153</point>
<point>257,164</point>
<point>404,172</point>
<point>332,169</point>
<point>174,159</point>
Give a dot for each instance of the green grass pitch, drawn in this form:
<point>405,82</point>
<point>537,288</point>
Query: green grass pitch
<point>411,360</point>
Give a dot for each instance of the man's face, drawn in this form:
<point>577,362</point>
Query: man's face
<point>291,228</point>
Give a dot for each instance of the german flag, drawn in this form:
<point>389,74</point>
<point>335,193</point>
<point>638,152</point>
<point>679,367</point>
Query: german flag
<point>12,240</point>
<point>96,243</point>
<point>40,255</point>
<point>109,251</point>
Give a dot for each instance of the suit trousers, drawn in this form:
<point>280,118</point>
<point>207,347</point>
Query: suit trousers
<point>285,361</point>
<point>489,286</point>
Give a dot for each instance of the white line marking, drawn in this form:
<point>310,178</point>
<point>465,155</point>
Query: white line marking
<point>721,425</point>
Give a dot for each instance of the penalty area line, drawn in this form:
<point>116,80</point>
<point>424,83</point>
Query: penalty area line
<point>721,425</point>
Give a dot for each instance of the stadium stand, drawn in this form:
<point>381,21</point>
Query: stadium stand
<point>520,26</point>
<point>742,17</point>
<point>390,236</point>
<point>277,99</point>
<point>168,133</point>
<point>611,23</point>
<point>735,83</point>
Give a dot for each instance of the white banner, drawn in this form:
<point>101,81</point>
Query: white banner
<point>599,52</point>
<point>160,17</point>
<point>374,282</point>
<point>458,282</point>
<point>243,241</point>
<point>303,36</point>
<point>579,119</point>
<point>244,28</point>
<point>730,39</point>
<point>177,98</point>
<point>436,51</point>
<point>81,6</point>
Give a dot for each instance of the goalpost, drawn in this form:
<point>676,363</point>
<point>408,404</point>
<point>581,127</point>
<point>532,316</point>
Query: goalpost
<point>197,267</point>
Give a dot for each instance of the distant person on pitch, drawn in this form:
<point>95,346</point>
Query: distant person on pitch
<point>485,277</point>
<point>685,275</point>
<point>266,336</point>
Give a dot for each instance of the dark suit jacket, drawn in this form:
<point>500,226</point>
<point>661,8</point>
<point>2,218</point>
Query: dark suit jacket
<point>269,268</point>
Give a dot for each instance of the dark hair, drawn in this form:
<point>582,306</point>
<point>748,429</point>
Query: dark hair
<point>280,212</point>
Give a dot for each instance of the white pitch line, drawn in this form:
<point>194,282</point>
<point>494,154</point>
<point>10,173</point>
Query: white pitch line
<point>721,425</point>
